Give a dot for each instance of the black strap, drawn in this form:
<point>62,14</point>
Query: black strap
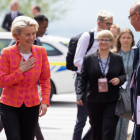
<point>103,72</point>
<point>91,41</point>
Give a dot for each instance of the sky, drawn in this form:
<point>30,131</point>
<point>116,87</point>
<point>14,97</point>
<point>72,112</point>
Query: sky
<point>82,16</point>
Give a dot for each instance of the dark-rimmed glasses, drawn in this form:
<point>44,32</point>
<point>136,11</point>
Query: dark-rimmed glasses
<point>131,15</point>
<point>104,40</point>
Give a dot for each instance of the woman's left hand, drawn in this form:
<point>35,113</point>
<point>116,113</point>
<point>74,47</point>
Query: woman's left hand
<point>115,81</point>
<point>42,110</point>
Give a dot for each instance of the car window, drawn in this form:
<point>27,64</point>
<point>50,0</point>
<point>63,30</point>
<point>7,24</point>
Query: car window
<point>51,50</point>
<point>4,43</point>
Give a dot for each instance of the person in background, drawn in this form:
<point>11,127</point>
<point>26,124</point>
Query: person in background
<point>104,21</point>
<point>36,10</point>
<point>103,72</point>
<point>22,65</point>
<point>115,30</point>
<point>134,18</point>
<point>124,45</point>
<point>14,5</point>
<point>43,24</point>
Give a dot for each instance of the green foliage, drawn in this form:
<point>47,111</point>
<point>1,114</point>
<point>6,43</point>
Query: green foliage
<point>53,9</point>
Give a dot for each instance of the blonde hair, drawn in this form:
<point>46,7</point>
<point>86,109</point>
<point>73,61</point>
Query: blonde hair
<point>21,22</point>
<point>116,27</point>
<point>103,15</point>
<point>118,46</point>
<point>105,33</point>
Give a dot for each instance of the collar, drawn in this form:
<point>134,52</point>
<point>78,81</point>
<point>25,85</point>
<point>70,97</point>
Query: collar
<point>17,51</point>
<point>14,12</point>
<point>121,51</point>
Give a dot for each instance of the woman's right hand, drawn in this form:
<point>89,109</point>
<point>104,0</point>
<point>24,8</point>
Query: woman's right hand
<point>79,102</point>
<point>26,65</point>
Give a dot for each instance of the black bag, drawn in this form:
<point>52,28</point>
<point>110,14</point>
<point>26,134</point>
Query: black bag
<point>123,106</point>
<point>72,49</point>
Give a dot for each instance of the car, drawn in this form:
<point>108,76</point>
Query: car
<point>62,80</point>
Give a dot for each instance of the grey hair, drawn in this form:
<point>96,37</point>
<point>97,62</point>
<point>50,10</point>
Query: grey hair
<point>13,2</point>
<point>136,6</point>
<point>21,22</point>
<point>103,15</point>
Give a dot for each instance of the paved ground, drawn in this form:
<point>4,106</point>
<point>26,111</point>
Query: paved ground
<point>59,121</point>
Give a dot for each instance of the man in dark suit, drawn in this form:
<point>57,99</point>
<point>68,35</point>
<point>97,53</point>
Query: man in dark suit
<point>134,17</point>
<point>12,15</point>
<point>43,24</point>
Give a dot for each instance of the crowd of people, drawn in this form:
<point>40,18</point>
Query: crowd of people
<point>103,72</point>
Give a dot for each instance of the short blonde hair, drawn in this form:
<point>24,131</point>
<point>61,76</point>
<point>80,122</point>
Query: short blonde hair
<point>21,22</point>
<point>103,15</point>
<point>116,27</point>
<point>105,33</point>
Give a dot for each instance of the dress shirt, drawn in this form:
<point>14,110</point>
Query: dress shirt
<point>82,47</point>
<point>14,14</point>
<point>23,87</point>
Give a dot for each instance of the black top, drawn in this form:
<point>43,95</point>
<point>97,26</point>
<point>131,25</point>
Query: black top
<point>91,72</point>
<point>8,21</point>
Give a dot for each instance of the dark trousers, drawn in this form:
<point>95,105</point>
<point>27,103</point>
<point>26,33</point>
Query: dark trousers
<point>82,115</point>
<point>136,133</point>
<point>103,120</point>
<point>19,123</point>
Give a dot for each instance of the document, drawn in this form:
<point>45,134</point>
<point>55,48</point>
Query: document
<point>138,110</point>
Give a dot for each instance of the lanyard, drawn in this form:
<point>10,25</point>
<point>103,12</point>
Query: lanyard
<point>103,69</point>
<point>127,61</point>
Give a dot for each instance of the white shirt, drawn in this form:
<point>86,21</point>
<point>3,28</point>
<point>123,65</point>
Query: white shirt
<point>82,47</point>
<point>14,14</point>
<point>26,56</point>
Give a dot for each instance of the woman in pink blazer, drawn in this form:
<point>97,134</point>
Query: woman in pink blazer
<point>22,65</point>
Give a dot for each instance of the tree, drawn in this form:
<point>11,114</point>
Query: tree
<point>53,9</point>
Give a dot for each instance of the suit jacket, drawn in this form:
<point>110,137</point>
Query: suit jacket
<point>91,72</point>
<point>8,21</point>
<point>133,90</point>
<point>13,42</point>
<point>23,87</point>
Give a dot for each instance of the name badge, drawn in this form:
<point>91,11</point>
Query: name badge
<point>102,85</point>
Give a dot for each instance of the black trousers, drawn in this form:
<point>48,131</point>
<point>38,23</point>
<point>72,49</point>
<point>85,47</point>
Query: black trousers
<point>103,120</point>
<point>19,123</point>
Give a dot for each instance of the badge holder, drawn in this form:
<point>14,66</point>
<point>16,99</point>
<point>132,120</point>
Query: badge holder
<point>102,85</point>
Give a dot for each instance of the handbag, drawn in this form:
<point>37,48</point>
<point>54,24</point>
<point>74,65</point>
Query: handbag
<point>123,106</point>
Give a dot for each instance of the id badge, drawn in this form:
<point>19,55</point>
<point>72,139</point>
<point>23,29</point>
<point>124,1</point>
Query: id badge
<point>102,85</point>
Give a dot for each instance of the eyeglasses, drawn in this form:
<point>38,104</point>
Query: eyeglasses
<point>106,41</point>
<point>131,15</point>
<point>108,24</point>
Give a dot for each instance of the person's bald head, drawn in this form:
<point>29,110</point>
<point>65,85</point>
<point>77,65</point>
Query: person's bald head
<point>134,15</point>
<point>136,7</point>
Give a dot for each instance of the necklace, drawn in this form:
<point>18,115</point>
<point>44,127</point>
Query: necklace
<point>25,52</point>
